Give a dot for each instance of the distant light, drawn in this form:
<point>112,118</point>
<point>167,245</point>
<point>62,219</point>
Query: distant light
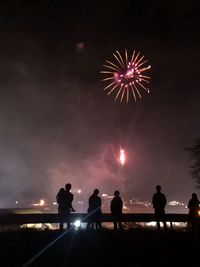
<point>16,202</point>
<point>104,195</point>
<point>77,223</point>
<point>79,191</point>
<point>152,224</point>
<point>54,203</point>
<point>41,203</point>
<point>175,203</point>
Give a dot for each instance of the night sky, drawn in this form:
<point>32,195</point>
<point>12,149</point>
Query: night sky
<point>57,125</point>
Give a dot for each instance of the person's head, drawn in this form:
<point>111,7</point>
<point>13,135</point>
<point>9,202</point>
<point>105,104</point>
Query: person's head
<point>116,193</point>
<point>68,187</point>
<point>96,191</point>
<point>194,195</point>
<point>62,189</point>
<point>158,188</point>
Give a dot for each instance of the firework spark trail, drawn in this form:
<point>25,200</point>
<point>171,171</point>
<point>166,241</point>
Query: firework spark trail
<point>125,76</point>
<point>122,156</point>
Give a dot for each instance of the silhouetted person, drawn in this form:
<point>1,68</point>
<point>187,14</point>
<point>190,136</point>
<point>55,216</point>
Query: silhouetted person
<point>159,202</point>
<point>69,200</point>
<point>193,206</point>
<point>62,206</point>
<point>94,210</point>
<point>116,206</point>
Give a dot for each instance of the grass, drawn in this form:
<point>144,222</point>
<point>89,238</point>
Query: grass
<point>134,247</point>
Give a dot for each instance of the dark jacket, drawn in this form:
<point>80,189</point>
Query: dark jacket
<point>116,205</point>
<point>159,201</point>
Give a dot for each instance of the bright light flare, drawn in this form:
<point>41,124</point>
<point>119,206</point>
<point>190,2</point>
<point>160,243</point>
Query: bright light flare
<point>77,223</point>
<point>122,156</point>
<point>125,76</point>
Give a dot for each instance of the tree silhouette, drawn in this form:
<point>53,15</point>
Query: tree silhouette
<point>194,151</point>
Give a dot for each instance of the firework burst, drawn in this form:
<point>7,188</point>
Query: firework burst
<point>125,76</point>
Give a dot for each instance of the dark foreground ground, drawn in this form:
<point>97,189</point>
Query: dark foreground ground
<point>99,248</point>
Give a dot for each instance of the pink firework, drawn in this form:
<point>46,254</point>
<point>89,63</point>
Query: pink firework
<point>125,76</point>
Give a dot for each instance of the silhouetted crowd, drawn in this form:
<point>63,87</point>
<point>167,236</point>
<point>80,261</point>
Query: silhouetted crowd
<point>65,198</point>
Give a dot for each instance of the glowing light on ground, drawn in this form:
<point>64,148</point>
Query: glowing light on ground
<point>125,76</point>
<point>41,203</point>
<point>77,223</point>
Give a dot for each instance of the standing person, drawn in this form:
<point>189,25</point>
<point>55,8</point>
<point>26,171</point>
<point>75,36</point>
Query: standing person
<point>94,210</point>
<point>62,206</point>
<point>69,200</point>
<point>116,206</point>
<point>193,206</point>
<point>159,202</point>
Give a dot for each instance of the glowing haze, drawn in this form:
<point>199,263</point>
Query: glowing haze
<point>58,126</point>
